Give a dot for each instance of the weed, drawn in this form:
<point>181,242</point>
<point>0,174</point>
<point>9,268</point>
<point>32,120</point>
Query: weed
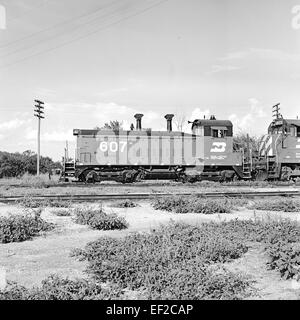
<point>62,212</point>
<point>98,219</point>
<point>169,263</point>
<point>57,288</point>
<point>30,202</point>
<point>277,204</point>
<point>18,228</point>
<point>192,204</point>
<point>124,204</point>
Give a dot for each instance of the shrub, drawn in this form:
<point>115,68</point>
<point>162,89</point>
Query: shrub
<point>124,204</point>
<point>57,288</point>
<point>58,203</point>
<point>161,260</point>
<point>280,238</point>
<point>192,204</point>
<point>277,204</point>
<point>17,228</point>
<point>98,219</point>
<point>197,282</point>
<point>285,257</point>
<point>62,212</point>
<point>30,202</point>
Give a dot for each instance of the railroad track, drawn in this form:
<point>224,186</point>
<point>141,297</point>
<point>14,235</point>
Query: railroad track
<point>149,196</point>
<point>151,184</point>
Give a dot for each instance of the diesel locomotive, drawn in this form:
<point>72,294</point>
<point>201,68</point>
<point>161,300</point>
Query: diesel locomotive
<point>207,153</point>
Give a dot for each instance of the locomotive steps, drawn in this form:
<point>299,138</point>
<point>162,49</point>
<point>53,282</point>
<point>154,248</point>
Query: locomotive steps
<point>146,196</point>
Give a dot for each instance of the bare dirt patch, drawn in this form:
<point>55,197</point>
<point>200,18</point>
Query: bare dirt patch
<point>268,283</point>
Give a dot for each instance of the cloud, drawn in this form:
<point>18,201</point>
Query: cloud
<point>110,92</point>
<point>54,136</point>
<point>44,93</point>
<point>12,124</point>
<point>199,114</point>
<point>249,121</point>
<point>223,68</point>
<point>269,61</point>
<point>265,54</point>
<point>102,112</point>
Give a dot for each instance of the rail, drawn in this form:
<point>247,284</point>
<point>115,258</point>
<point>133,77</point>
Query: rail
<point>147,196</point>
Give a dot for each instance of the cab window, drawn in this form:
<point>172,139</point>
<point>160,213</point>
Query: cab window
<point>218,133</point>
<point>298,131</point>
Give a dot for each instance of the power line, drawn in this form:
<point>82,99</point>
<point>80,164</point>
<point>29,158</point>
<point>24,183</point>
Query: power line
<point>58,25</point>
<point>66,32</point>
<point>87,35</point>
<point>30,10</point>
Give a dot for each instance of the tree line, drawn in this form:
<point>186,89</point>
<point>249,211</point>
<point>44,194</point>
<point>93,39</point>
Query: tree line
<point>17,164</point>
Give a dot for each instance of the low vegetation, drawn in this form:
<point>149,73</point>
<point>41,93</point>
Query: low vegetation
<point>192,204</point>
<point>99,219</point>
<point>124,204</point>
<point>174,262</point>
<point>18,228</point>
<point>62,212</point>
<point>183,262</point>
<point>280,238</point>
<point>32,203</point>
<point>57,288</point>
<point>276,204</point>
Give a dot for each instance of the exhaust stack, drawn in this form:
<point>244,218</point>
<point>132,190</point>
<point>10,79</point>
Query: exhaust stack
<point>139,117</point>
<point>169,118</point>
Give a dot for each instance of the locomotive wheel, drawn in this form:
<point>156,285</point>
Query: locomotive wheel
<point>89,176</point>
<point>182,178</point>
<point>262,175</point>
<point>128,176</point>
<point>286,174</point>
<point>235,178</point>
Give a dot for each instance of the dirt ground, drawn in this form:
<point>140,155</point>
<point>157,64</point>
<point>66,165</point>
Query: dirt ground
<point>29,262</point>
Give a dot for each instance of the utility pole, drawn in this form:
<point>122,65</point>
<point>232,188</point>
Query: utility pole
<point>275,111</point>
<point>39,113</point>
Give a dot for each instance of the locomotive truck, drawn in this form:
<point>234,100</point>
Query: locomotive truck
<point>206,153</point>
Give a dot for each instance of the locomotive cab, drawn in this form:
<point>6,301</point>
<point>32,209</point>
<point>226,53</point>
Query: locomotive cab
<point>212,128</point>
<point>218,146</point>
<point>286,127</point>
<point>279,150</point>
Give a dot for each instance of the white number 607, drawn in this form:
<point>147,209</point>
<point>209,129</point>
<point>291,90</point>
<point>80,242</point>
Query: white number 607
<point>112,146</point>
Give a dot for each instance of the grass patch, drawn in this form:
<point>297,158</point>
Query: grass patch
<point>173,262</point>
<point>176,261</point>
<point>277,204</point>
<point>62,212</point>
<point>57,288</point>
<point>124,204</point>
<point>32,203</point>
<point>179,261</point>
<point>28,180</point>
<point>98,219</point>
<point>18,228</point>
<point>280,238</point>
<point>192,204</point>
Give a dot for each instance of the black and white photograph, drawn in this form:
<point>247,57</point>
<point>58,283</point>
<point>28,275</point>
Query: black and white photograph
<point>149,153</point>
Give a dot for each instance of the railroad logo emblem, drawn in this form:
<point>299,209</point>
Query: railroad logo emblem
<point>218,147</point>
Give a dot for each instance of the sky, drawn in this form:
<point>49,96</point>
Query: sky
<point>98,60</point>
